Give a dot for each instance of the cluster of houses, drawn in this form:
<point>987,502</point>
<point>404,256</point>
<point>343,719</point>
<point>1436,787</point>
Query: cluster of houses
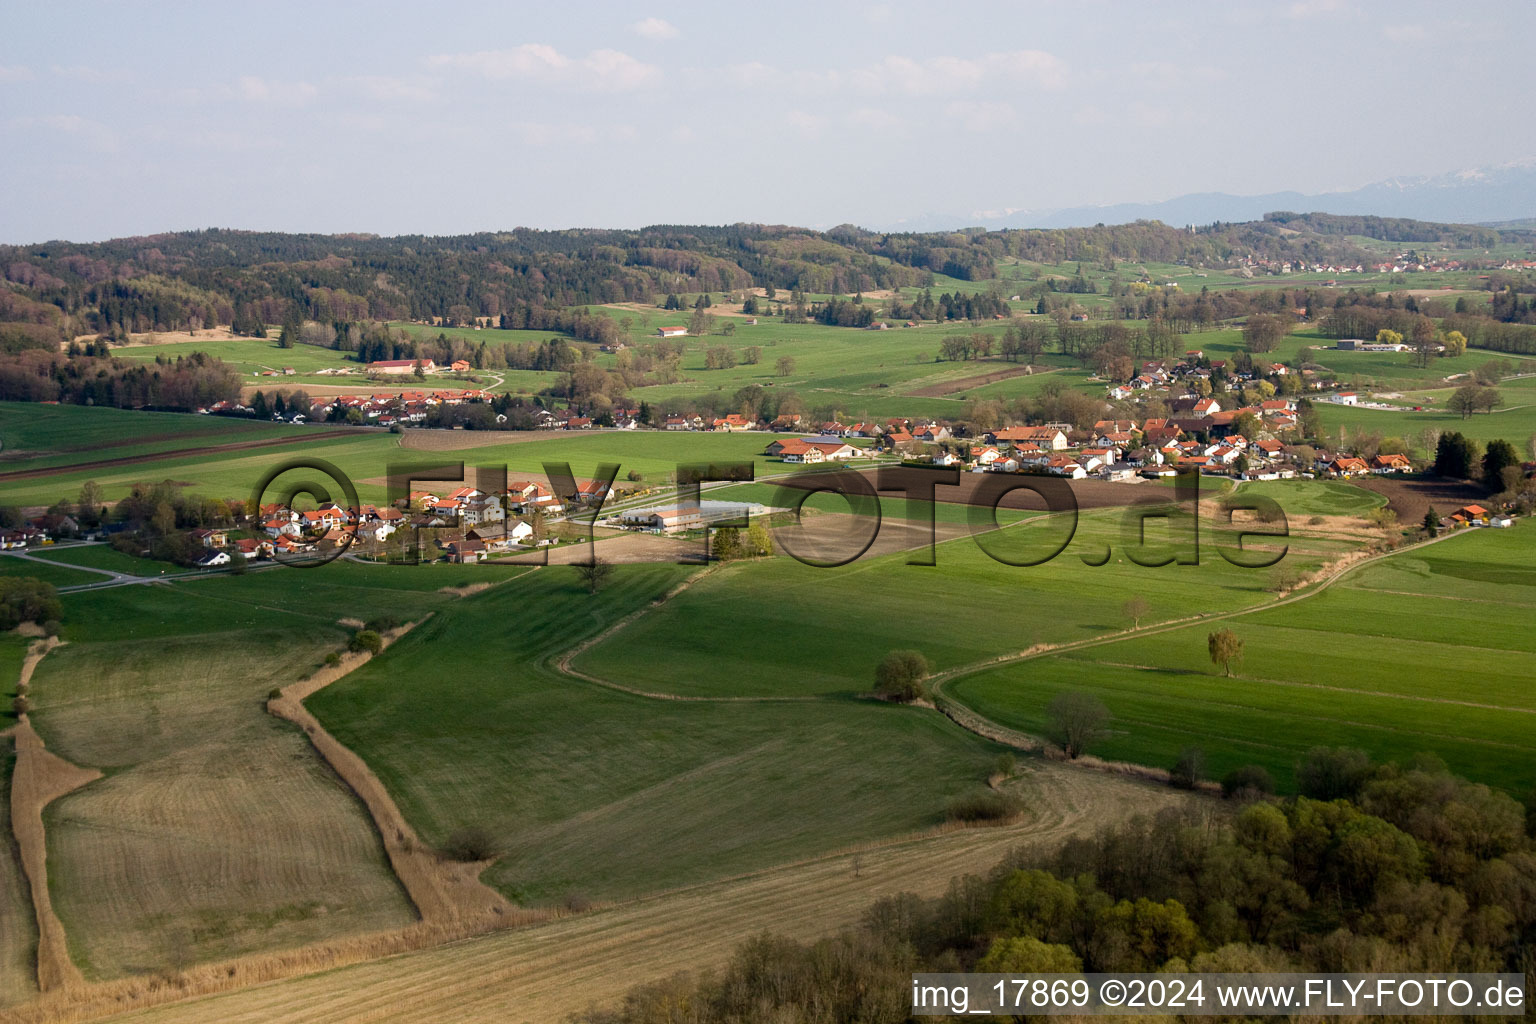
<point>1183,378</point>
<point>1117,450</point>
<point>1402,263</point>
<point>481,524</point>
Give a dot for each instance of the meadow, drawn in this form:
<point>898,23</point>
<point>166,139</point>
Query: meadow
<point>598,794</point>
<point>1425,650</point>
<point>781,628</point>
<point>102,556</point>
<point>34,436</point>
<point>57,575</point>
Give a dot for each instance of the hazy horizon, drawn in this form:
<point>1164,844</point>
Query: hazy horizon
<point>338,118</point>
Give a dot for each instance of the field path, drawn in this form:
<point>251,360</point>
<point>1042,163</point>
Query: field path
<point>975,722</point>
<point>544,973</point>
<point>38,779</point>
<point>445,893</point>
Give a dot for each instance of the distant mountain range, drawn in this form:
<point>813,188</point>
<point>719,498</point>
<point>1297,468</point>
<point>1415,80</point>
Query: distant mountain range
<point>1482,196</point>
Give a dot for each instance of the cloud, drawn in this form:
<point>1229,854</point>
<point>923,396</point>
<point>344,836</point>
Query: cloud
<point>540,134</point>
<point>389,88</point>
<point>981,116</point>
<point>278,93</point>
<point>599,71</point>
<point>1316,8</point>
<point>927,77</point>
<point>86,73</point>
<point>1406,33</point>
<point>939,76</point>
<point>91,133</point>
<point>1167,73</point>
<point>14,73</point>
<point>656,29</point>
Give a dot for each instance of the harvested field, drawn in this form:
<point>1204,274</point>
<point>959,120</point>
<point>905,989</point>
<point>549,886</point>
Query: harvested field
<point>1410,499</point>
<point>545,973</point>
<point>950,387</point>
<point>217,832</point>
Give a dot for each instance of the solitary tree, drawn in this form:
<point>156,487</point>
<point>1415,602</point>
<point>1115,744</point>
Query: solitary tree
<point>1077,720</point>
<point>900,675</point>
<point>1226,650</point>
<point>1496,457</point>
<point>366,640</point>
<point>1432,522</point>
<point>727,544</point>
<point>1189,769</point>
<point>594,573</point>
<point>1135,609</point>
<point>785,366</point>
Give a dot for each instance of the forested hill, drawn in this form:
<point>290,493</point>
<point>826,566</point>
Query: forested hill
<point>198,278</point>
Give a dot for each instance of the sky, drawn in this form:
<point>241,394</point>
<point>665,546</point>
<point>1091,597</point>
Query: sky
<point>128,118</point>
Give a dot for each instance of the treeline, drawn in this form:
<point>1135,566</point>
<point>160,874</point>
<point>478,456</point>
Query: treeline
<point>1370,869</point>
<point>196,279</point>
<point>183,384</point>
<point>1400,229</point>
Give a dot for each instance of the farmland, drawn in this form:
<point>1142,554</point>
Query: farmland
<point>638,755</point>
<point>730,635</point>
<point>161,686</point>
<point>600,794</point>
<point>1324,670</point>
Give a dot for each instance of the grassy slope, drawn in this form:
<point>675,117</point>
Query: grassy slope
<point>609,795</point>
<point>35,436</point>
<point>216,830</point>
<point>57,575</point>
<point>103,556</point>
<point>1390,660</point>
<point>368,456</point>
<point>783,628</point>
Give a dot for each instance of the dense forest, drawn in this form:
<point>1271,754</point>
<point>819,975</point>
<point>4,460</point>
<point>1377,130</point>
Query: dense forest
<point>1370,868</point>
<point>196,279</point>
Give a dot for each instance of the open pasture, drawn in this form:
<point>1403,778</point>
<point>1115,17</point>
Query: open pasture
<point>596,793</point>
<point>781,628</point>
<point>1425,650</point>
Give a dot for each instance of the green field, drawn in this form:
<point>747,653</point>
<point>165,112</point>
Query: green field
<point>1300,498</point>
<point>367,456</point>
<point>603,794</point>
<point>1429,649</point>
<point>34,436</point>
<point>785,629</point>
<point>58,575</point>
<point>102,556</point>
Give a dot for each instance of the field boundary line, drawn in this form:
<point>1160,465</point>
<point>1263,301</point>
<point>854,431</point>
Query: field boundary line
<point>38,778</point>
<point>968,718</point>
<point>443,893</point>
<point>562,663</point>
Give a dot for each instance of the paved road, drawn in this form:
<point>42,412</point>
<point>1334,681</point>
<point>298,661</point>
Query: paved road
<point>111,578</point>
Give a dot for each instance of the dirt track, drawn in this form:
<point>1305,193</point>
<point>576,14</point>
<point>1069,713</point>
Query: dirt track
<point>445,893</point>
<point>39,778</point>
<point>217,449</point>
